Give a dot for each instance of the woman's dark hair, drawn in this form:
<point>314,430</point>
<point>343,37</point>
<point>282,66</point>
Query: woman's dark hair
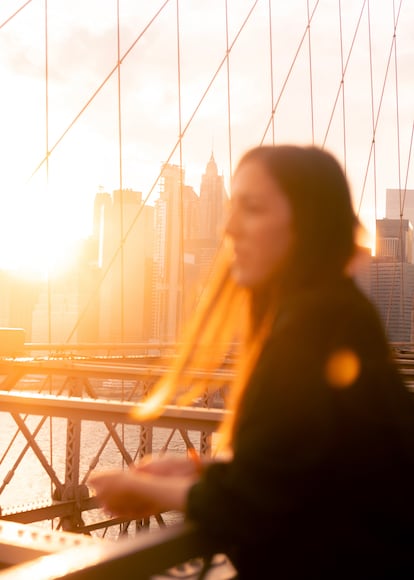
<point>324,219</point>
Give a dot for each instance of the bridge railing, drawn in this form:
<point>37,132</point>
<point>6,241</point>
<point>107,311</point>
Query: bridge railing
<point>92,400</point>
<point>175,552</point>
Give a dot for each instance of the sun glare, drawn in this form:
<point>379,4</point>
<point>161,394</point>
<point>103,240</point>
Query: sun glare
<point>36,240</point>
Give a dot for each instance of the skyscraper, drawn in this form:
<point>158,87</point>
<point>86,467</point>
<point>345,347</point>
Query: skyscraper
<point>399,204</point>
<point>168,255</point>
<point>213,200</point>
<point>394,240</point>
<point>124,226</point>
<point>392,278</point>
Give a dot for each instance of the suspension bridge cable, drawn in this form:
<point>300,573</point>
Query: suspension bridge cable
<point>98,90</point>
<point>342,87</point>
<point>289,73</point>
<point>14,14</point>
<point>397,259</point>
<point>310,72</point>
<point>344,69</point>
<point>271,69</point>
<point>401,244</point>
<point>397,111</point>
<point>379,106</point>
<point>46,64</point>
<point>408,163</point>
<point>121,188</point>
<point>49,281</point>
<point>371,78</point>
<point>181,300</point>
<point>121,201</point>
<point>228,92</point>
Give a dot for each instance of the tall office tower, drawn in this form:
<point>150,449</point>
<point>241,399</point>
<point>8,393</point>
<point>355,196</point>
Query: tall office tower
<point>394,240</point>
<point>101,222</point>
<point>213,200</point>
<point>392,278</point>
<point>203,246</point>
<point>399,204</point>
<point>191,214</point>
<point>392,291</point>
<point>168,255</point>
<point>125,243</point>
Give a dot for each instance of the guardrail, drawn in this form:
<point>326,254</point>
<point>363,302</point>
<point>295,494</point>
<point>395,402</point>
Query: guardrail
<point>29,554</point>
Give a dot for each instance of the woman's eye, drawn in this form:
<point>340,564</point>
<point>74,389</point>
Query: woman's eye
<point>253,208</point>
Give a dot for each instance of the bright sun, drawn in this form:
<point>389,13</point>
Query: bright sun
<point>36,237</point>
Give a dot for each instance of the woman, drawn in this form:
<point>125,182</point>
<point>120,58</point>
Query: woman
<point>320,483</point>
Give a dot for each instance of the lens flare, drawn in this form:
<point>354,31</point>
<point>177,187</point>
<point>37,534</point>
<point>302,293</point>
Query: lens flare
<point>342,368</point>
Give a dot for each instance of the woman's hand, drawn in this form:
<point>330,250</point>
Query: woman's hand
<point>145,489</point>
<point>120,494</point>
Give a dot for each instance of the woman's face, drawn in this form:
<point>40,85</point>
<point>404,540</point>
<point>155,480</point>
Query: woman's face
<point>259,225</point>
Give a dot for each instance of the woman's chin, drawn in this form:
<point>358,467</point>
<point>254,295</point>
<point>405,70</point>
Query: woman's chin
<point>241,277</point>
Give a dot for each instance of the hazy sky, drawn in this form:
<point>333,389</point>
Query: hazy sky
<point>132,123</point>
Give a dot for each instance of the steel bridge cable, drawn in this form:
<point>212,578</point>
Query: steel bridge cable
<point>380,104</point>
<point>344,69</point>
<point>289,73</point>
<point>121,191</point>
<point>402,258</point>
<point>46,47</point>
<point>310,72</point>
<point>14,14</point>
<point>401,246</point>
<point>228,93</point>
<point>372,152</point>
<point>397,111</point>
<point>271,69</point>
<point>156,181</point>
<point>98,90</point>
<point>49,280</point>
<point>371,78</point>
<point>121,201</point>
<point>181,301</point>
<point>342,87</point>
<point>408,163</point>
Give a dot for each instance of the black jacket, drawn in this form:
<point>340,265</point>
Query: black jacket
<point>322,480</point>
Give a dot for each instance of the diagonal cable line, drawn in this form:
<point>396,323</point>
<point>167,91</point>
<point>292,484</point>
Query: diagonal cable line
<point>14,14</point>
<point>292,66</point>
<point>344,69</point>
<point>379,107</point>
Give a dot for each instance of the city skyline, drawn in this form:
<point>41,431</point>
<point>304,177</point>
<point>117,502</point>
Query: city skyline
<point>139,274</point>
